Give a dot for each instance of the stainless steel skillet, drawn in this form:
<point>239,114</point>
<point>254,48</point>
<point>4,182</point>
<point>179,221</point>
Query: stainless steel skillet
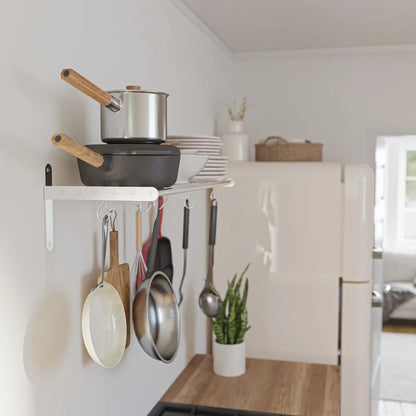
<point>155,310</point>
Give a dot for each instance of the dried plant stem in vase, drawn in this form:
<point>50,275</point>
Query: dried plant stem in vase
<point>235,141</point>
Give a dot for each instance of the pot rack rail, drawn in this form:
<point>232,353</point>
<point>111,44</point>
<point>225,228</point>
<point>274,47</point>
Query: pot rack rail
<point>112,193</point>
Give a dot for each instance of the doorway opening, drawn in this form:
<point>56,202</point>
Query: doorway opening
<point>395,233</point>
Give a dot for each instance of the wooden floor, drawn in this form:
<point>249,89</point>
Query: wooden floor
<point>401,327</point>
<point>390,408</point>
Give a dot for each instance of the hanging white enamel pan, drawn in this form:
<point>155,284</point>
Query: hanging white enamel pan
<point>104,328</point>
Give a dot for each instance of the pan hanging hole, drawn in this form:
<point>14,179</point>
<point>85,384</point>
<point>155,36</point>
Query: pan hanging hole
<point>112,216</point>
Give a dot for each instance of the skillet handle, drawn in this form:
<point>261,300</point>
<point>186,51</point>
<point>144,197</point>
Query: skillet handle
<point>87,87</point>
<point>185,225</point>
<point>76,149</point>
<point>161,205</point>
<point>213,223</point>
<point>151,258</point>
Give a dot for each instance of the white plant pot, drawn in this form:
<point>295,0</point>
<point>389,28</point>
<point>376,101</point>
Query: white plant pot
<point>235,142</point>
<point>229,359</point>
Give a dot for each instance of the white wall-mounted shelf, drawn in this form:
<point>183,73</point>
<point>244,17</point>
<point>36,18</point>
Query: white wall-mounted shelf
<point>100,193</point>
<point>112,193</point>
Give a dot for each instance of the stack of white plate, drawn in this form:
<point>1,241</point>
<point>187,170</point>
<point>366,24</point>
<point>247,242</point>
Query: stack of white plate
<point>214,169</point>
<point>205,145</point>
<point>216,166</point>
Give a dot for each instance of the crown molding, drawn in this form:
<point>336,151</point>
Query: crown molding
<point>202,26</point>
<point>342,51</point>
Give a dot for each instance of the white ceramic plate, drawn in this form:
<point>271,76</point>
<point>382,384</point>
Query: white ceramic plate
<point>208,138</point>
<point>207,169</point>
<point>195,141</point>
<point>211,173</point>
<point>200,145</point>
<point>208,178</point>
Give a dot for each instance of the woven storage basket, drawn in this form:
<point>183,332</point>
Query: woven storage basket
<point>278,149</point>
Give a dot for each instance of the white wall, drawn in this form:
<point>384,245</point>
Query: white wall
<point>343,101</point>
<point>45,369</point>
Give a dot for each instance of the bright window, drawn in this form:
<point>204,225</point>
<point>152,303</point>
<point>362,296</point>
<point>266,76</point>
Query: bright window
<point>399,192</point>
<point>407,217</point>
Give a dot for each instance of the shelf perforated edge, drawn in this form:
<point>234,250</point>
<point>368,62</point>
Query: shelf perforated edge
<point>124,193</point>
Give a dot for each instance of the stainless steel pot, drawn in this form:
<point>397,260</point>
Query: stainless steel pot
<point>131,115</point>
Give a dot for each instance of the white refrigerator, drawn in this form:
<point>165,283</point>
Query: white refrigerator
<point>307,231</point>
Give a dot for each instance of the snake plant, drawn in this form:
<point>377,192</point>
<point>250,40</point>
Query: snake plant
<point>232,323</point>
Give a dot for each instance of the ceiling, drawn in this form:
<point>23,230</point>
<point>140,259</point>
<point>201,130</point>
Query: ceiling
<point>286,25</point>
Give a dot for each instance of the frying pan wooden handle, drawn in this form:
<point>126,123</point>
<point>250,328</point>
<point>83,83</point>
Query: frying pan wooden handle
<point>87,87</point>
<point>78,150</point>
<point>113,249</point>
<point>138,231</point>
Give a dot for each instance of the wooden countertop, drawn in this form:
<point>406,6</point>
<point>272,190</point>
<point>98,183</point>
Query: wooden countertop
<point>267,386</point>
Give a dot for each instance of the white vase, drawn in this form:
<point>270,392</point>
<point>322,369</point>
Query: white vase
<point>235,142</point>
<point>229,359</point>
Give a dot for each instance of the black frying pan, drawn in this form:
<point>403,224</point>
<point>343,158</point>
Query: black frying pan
<point>123,164</point>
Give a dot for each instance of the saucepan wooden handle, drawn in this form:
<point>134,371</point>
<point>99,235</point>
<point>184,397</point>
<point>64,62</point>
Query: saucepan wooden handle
<point>87,87</point>
<point>78,150</point>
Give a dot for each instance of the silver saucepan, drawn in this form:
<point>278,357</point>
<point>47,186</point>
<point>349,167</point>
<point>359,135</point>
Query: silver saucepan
<point>127,116</point>
<point>155,310</point>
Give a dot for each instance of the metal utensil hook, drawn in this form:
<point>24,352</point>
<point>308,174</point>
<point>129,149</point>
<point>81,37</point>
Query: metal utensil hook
<point>187,203</point>
<point>140,207</point>
<point>103,210</point>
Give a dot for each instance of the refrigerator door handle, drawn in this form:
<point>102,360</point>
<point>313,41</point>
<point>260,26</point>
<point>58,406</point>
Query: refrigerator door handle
<point>377,253</point>
<point>376,299</point>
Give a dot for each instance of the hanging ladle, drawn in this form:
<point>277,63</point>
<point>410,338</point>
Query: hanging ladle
<point>210,301</point>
